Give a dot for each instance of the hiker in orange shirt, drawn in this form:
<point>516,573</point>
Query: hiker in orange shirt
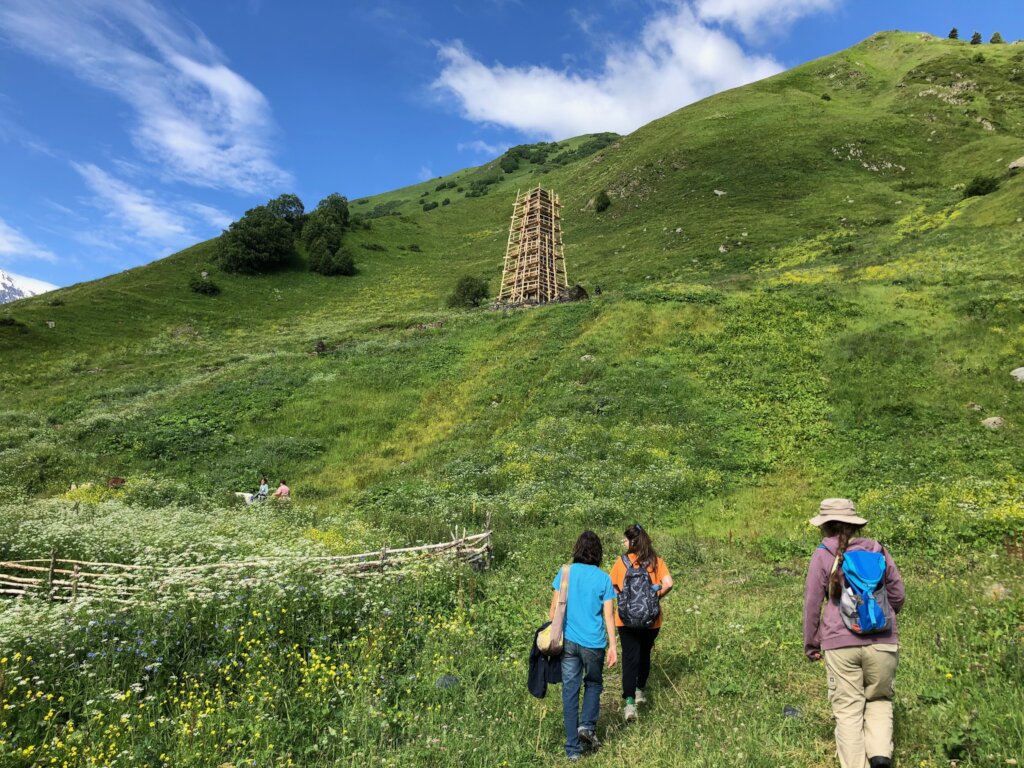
<point>640,585</point>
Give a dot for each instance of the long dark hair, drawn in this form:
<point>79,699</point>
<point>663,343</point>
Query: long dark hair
<point>846,533</point>
<point>641,546</point>
<point>588,549</point>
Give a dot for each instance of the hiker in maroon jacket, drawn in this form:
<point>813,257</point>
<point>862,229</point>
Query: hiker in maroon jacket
<point>861,667</point>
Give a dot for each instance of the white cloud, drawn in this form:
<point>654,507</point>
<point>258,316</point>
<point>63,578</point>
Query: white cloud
<point>204,123</point>
<point>678,59</point>
<point>15,246</point>
<point>215,217</point>
<point>135,210</point>
<point>756,18</point>
<point>425,173</point>
<point>481,147</point>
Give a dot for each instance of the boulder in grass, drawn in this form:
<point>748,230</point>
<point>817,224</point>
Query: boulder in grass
<point>994,422</point>
<point>1018,374</point>
<point>1016,165</point>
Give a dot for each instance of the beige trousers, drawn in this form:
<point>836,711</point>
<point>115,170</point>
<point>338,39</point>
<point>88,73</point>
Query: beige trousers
<point>860,689</point>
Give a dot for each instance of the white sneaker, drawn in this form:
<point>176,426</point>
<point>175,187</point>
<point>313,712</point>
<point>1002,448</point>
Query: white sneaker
<point>640,698</point>
<point>629,713</point>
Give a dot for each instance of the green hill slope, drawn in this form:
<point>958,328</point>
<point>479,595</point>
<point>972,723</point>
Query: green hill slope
<point>796,302</point>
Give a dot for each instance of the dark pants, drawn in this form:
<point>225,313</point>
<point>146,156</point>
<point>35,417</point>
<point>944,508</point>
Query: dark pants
<point>636,658</point>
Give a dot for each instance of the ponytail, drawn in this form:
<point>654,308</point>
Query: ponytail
<point>845,532</point>
<point>641,546</point>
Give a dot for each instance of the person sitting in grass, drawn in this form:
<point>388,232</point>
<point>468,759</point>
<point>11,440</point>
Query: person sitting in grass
<point>282,492</point>
<point>260,495</point>
<point>860,648</point>
<point>589,630</point>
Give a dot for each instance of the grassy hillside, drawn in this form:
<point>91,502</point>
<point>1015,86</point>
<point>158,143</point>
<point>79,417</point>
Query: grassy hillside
<point>838,322</point>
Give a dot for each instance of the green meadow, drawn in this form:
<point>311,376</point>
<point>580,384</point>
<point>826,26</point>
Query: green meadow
<point>797,301</point>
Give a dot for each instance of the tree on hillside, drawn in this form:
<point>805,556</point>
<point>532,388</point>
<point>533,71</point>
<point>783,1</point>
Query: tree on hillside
<point>341,262</point>
<point>954,34</point>
<point>324,228</point>
<point>997,38</point>
<point>469,292</point>
<point>288,207</point>
<point>976,38</point>
<point>257,242</point>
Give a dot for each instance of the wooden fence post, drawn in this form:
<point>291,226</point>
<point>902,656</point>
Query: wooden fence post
<point>74,584</point>
<point>49,576</point>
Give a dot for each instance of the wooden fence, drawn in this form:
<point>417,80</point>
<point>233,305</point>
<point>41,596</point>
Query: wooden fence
<point>70,580</point>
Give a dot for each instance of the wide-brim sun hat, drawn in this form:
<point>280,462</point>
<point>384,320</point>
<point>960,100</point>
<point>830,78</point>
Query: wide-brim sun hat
<point>840,510</point>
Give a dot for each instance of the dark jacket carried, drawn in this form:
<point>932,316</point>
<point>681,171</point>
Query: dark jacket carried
<point>544,669</point>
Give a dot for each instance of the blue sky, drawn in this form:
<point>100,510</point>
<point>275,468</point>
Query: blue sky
<point>130,129</point>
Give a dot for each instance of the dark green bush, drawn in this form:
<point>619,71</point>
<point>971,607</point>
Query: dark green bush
<point>826,97</point>
<point>327,223</point>
<point>446,201</point>
<point>257,242</point>
<point>602,202</point>
<point>204,286</point>
<point>429,206</point>
<point>508,164</point>
<point>341,262</point>
<point>981,185</point>
<point>469,292</point>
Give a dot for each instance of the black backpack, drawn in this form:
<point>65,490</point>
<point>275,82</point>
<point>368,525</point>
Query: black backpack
<point>639,606</point>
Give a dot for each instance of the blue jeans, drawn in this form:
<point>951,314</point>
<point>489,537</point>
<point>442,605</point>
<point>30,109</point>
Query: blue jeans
<point>580,666</point>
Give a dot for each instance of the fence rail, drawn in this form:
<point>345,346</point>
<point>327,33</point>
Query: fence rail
<point>70,580</point>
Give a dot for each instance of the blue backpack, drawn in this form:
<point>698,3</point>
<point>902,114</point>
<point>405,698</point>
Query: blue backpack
<point>864,604</point>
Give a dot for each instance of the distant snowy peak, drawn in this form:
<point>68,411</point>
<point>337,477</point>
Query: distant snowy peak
<point>14,287</point>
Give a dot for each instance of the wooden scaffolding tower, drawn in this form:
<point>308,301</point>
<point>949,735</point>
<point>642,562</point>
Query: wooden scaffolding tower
<point>534,270</point>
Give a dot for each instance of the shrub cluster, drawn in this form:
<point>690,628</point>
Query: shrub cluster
<point>257,242</point>
<point>203,286</point>
<point>981,185</point>
<point>341,262</point>
<point>469,292</point>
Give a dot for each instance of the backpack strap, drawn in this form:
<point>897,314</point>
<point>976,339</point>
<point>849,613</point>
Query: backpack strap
<point>629,566</point>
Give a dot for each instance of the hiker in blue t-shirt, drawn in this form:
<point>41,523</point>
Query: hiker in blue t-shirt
<point>589,630</point>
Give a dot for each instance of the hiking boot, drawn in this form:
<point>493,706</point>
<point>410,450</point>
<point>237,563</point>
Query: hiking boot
<point>588,738</point>
<point>574,758</point>
<point>880,762</point>
<point>629,713</point>
<point>640,698</point>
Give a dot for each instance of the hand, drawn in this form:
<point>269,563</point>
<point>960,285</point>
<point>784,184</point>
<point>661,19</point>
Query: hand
<point>613,656</point>
<point>814,656</point>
